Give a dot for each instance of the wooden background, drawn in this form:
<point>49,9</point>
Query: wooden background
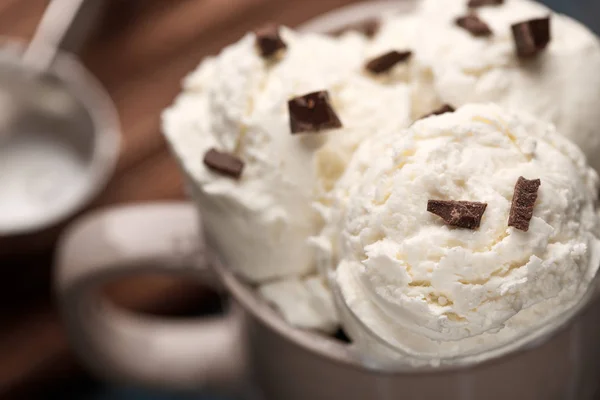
<point>140,52</point>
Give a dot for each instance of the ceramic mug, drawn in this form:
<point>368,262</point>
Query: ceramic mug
<point>252,343</point>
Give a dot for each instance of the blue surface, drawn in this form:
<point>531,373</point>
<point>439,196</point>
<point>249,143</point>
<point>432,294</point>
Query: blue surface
<point>587,11</point>
<point>95,391</point>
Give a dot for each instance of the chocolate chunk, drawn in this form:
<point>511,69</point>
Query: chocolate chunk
<point>224,163</point>
<point>268,40</point>
<point>368,28</point>
<point>531,37</point>
<point>474,25</point>
<point>483,3</point>
<point>446,108</point>
<point>312,113</point>
<point>462,214</point>
<point>386,61</point>
<point>523,202</point>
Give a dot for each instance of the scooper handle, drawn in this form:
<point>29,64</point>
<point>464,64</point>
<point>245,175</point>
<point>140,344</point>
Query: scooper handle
<point>51,33</point>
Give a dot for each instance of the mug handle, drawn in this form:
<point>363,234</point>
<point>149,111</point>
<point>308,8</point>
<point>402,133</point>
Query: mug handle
<point>120,345</point>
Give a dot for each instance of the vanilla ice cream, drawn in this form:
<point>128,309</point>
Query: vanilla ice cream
<point>261,214</point>
<point>435,290</point>
<point>452,66</point>
<point>237,102</point>
<point>304,302</point>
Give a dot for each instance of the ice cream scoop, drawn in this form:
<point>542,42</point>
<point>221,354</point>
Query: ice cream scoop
<point>262,169</point>
<point>454,64</point>
<point>266,128</point>
<point>464,232</point>
<point>240,103</point>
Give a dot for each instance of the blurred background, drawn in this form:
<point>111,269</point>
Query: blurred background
<point>139,51</point>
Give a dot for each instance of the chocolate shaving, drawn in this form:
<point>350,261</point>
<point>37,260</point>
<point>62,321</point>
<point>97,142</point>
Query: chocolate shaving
<point>531,37</point>
<point>268,40</point>
<point>474,25</point>
<point>483,3</point>
<point>446,108</point>
<point>521,210</point>
<point>462,214</point>
<point>224,163</point>
<point>386,61</point>
<point>312,112</point>
<point>368,28</point>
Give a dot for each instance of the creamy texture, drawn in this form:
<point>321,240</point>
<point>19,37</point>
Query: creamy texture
<point>304,302</point>
<point>401,32</point>
<point>237,102</point>
<point>440,291</point>
<point>561,86</point>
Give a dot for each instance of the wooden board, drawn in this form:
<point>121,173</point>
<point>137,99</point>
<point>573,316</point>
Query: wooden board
<point>140,52</point>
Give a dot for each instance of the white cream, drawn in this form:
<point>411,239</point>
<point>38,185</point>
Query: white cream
<point>561,86</point>
<point>433,290</point>
<point>304,302</point>
<point>237,102</point>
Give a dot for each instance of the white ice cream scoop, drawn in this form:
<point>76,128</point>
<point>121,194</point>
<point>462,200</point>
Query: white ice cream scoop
<point>436,289</point>
<point>59,132</point>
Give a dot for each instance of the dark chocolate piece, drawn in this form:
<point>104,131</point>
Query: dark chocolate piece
<point>483,3</point>
<point>446,108</point>
<point>312,112</point>
<point>368,28</point>
<point>521,210</point>
<point>531,37</point>
<point>462,214</point>
<point>224,163</point>
<point>386,61</point>
<point>268,40</point>
<point>474,25</point>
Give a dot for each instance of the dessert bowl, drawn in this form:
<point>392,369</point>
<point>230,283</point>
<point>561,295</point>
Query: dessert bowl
<point>252,349</point>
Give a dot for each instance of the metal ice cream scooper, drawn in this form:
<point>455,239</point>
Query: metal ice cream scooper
<point>59,131</point>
